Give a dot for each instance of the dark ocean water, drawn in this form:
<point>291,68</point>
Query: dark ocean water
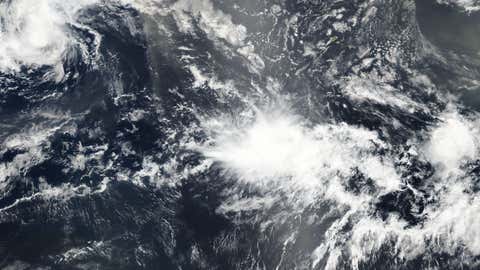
<point>239,135</point>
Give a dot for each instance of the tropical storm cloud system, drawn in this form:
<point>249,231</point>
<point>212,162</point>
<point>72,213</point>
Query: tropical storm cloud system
<point>239,134</point>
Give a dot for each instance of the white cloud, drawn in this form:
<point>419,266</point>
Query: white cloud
<point>291,159</point>
<point>467,5</point>
<point>214,22</point>
<point>34,33</point>
<point>451,142</point>
<point>286,153</point>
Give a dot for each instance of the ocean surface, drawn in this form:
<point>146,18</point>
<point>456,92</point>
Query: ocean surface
<point>239,135</point>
